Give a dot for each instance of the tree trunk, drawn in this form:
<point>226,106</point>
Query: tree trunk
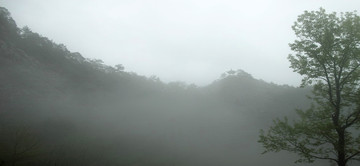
<point>341,148</point>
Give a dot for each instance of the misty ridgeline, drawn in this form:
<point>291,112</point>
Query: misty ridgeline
<point>59,108</point>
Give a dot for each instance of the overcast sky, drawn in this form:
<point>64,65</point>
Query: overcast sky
<point>177,40</point>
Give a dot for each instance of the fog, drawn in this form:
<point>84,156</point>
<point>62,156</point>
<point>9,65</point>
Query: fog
<point>61,106</point>
<point>190,41</point>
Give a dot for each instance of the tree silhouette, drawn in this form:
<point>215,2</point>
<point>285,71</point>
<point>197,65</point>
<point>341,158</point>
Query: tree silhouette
<point>328,56</point>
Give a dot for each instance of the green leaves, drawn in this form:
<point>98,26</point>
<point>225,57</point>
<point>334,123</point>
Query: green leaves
<point>327,55</point>
<point>326,44</point>
<point>311,137</point>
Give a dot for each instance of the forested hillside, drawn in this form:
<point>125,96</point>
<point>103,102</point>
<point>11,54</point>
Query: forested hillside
<point>58,107</point>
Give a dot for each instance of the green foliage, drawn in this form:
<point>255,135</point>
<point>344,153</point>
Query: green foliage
<point>328,56</point>
<point>311,137</point>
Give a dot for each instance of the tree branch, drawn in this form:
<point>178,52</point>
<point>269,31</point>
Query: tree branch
<point>349,74</point>
<point>330,91</point>
<point>353,155</point>
<point>306,153</point>
<point>347,123</point>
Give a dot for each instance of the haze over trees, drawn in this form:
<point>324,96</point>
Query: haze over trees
<point>59,108</point>
<point>328,55</point>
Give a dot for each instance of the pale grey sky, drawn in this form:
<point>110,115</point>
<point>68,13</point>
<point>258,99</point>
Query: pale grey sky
<point>177,40</point>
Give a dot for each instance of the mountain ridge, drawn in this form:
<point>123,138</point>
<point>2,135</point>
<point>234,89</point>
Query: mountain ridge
<point>84,112</point>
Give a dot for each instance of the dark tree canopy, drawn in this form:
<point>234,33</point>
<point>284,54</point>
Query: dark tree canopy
<point>327,54</point>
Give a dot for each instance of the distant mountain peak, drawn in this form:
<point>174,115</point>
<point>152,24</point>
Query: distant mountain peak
<point>237,73</point>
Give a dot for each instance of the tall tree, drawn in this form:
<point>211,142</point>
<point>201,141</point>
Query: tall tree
<point>328,56</point>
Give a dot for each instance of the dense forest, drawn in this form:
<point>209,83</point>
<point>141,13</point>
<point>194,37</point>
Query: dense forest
<point>58,107</point>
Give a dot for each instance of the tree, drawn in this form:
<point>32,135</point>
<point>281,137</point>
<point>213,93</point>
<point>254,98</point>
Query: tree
<point>17,145</point>
<point>8,28</point>
<point>119,67</point>
<point>328,57</point>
